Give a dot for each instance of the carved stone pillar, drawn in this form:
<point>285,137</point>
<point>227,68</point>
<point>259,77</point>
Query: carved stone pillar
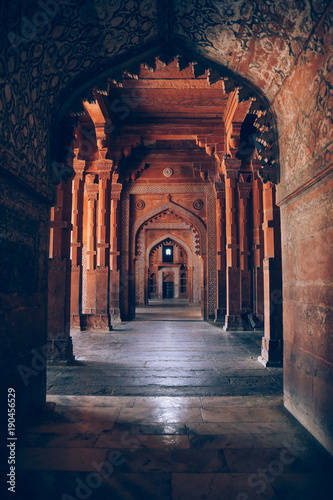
<point>271,350</point>
<point>203,262</point>
<point>91,190</point>
<point>232,318</point>
<point>220,252</point>
<point>76,244</point>
<point>102,269</point>
<point>258,244</point>
<point>244,190</point>
<point>59,342</point>
<point>114,309</point>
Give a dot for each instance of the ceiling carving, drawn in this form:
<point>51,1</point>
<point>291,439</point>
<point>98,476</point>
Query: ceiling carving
<point>48,56</point>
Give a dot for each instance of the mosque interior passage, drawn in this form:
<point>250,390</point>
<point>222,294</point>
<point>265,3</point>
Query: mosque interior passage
<point>166,231</point>
<point>170,201</point>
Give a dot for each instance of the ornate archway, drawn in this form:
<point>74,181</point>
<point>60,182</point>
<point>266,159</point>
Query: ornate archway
<point>203,241</point>
<point>187,271</point>
<point>142,250</point>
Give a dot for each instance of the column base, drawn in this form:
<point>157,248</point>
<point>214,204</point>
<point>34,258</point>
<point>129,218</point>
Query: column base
<point>115,316</point>
<point>60,351</point>
<point>95,322</point>
<point>271,352</point>
<point>233,323</point>
<point>75,321</point>
<point>219,316</point>
<point>259,328</point>
<point>267,363</point>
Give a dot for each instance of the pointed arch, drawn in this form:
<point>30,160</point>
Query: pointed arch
<point>192,218</point>
<point>174,238</point>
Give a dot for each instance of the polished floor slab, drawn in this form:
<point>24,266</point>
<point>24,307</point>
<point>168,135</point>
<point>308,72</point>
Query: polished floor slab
<point>179,357</point>
<point>133,448</point>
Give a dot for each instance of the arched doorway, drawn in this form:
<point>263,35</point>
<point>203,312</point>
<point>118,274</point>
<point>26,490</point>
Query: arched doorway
<point>168,271</point>
<point>184,234</point>
<point>168,285</point>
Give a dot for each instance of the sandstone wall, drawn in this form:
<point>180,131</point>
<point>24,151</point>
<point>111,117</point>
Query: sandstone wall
<point>304,110</point>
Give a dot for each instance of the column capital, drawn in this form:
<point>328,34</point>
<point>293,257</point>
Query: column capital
<point>116,191</point>
<point>244,190</point>
<point>78,165</point>
<point>104,164</point>
<point>78,175</point>
<point>104,175</point>
<point>91,189</point>
<point>231,167</point>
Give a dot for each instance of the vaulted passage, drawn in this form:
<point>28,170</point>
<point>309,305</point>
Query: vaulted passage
<point>168,203</point>
<point>166,230</point>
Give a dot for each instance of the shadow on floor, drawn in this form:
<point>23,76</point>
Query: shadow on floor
<point>160,448</point>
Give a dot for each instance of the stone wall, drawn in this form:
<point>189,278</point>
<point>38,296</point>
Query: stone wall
<point>23,297</point>
<point>304,110</point>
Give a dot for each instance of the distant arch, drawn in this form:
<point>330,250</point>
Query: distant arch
<point>199,225</point>
<point>174,238</point>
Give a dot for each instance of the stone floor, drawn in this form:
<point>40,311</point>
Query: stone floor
<point>169,448</point>
<point>181,356</point>
<point>168,410</point>
<point>168,310</point>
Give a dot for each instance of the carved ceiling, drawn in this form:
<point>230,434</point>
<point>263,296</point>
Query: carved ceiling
<point>51,60</point>
<point>174,101</point>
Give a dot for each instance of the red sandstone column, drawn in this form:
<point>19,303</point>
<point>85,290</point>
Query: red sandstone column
<point>189,284</point>
<point>91,190</point>
<point>59,342</point>
<point>244,190</point>
<point>232,318</point>
<point>204,308</point>
<point>220,251</point>
<point>114,309</point>
<point>258,243</point>
<point>271,350</point>
<point>76,245</point>
<point>102,269</point>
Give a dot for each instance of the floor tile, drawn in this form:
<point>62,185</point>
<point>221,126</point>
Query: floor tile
<point>219,428</point>
<point>241,441</point>
<point>73,459</point>
<point>147,429</point>
<point>55,485</point>
<point>177,460</point>
<point>242,401</point>
<point>160,415</point>
<point>86,414</point>
<point>217,487</point>
<point>291,458</point>
<point>128,440</point>
<point>73,427</point>
<point>169,402</point>
<point>58,440</point>
<point>239,414</point>
<point>85,401</point>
